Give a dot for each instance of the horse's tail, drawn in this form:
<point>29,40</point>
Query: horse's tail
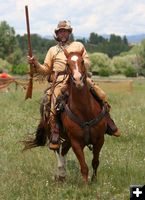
<point>40,138</point>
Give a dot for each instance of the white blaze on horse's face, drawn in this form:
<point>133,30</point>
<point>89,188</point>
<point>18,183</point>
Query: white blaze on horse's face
<point>77,76</point>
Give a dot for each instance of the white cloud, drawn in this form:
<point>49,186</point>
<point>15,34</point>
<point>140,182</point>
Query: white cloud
<point>86,16</point>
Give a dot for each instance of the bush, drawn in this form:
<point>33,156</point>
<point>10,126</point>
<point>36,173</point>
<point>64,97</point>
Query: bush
<point>141,72</point>
<point>130,72</point>
<point>127,64</point>
<point>20,69</point>
<point>104,72</point>
<point>4,65</point>
<point>100,61</point>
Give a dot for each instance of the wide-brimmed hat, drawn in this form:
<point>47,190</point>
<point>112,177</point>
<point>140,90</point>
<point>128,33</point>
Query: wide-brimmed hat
<point>63,25</point>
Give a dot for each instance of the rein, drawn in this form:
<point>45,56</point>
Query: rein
<point>85,125</point>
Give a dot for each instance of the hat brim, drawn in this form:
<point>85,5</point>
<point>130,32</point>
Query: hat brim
<point>57,29</point>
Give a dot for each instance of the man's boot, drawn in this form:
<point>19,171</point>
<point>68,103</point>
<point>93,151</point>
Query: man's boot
<point>111,126</point>
<point>54,142</point>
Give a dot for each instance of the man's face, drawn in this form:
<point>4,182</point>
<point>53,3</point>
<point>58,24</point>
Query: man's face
<point>63,35</point>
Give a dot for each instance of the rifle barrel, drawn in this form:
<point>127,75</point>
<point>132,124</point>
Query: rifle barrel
<point>30,84</point>
<point>28,31</point>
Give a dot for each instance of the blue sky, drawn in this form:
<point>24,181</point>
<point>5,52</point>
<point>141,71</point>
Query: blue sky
<point>122,17</point>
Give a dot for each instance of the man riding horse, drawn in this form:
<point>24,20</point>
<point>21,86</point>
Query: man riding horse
<point>54,64</point>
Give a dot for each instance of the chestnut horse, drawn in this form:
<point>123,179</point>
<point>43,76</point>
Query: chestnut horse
<point>83,118</point>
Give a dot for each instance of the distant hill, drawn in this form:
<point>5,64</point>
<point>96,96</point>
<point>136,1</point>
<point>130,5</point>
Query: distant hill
<point>135,38</point>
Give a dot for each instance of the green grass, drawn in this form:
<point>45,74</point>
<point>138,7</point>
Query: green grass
<point>29,175</point>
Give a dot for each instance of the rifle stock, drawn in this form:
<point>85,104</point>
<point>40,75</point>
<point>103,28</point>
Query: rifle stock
<point>30,84</point>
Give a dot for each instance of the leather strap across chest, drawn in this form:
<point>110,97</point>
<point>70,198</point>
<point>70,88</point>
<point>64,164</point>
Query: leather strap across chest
<point>84,124</point>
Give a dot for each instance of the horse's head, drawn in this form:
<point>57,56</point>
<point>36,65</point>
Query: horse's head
<point>76,67</point>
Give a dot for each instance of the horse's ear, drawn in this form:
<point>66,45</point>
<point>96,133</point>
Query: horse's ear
<point>65,52</point>
<point>82,51</point>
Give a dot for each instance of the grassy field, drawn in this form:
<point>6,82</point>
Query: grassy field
<point>29,175</point>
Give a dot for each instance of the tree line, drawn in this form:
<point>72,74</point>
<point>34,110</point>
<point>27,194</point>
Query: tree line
<point>111,46</point>
<point>13,51</point>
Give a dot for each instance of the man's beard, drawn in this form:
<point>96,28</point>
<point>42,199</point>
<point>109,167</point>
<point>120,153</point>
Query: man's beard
<point>63,39</point>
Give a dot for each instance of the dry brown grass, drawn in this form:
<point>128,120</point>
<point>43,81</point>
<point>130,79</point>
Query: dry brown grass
<point>116,85</point>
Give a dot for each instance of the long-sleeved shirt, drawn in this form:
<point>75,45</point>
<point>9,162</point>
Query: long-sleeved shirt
<point>55,59</point>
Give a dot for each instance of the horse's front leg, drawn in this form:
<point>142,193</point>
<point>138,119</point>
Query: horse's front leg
<point>61,159</point>
<point>96,151</point>
<point>78,150</point>
<point>61,168</point>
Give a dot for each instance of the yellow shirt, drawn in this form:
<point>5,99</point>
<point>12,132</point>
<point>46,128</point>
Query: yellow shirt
<point>55,59</point>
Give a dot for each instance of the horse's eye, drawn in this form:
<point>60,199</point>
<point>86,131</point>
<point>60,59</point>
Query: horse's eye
<point>82,62</point>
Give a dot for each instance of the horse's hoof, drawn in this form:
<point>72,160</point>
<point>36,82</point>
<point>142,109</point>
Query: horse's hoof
<point>93,178</point>
<point>59,178</point>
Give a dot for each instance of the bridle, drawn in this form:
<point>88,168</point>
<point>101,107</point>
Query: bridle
<point>71,73</point>
<point>83,77</point>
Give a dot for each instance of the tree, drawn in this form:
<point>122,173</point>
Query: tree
<point>92,38</point>
<point>116,45</point>
<point>125,41</point>
<point>82,40</point>
<point>115,39</point>
<point>141,51</point>
<point>111,46</point>
<point>40,45</point>
<point>96,39</point>
<point>8,43</point>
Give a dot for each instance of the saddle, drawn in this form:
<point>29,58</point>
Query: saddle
<point>62,100</point>
<point>61,104</point>
<point>111,127</point>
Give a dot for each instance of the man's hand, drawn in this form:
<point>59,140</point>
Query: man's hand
<point>35,65</point>
<point>32,61</point>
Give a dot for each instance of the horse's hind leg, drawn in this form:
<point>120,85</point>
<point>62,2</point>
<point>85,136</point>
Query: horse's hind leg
<point>78,150</point>
<point>95,162</point>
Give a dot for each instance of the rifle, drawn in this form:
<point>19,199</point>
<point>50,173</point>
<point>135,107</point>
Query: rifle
<point>30,84</point>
